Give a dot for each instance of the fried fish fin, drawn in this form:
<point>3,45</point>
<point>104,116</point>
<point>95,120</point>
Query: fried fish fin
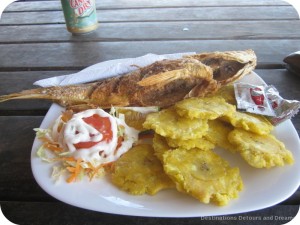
<point>162,78</point>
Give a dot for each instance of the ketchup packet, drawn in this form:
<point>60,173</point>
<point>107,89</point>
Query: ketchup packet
<point>265,100</point>
<point>252,99</point>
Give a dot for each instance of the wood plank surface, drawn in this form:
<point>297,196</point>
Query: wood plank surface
<point>43,56</point>
<point>34,44</point>
<point>16,179</point>
<point>138,31</point>
<point>17,81</point>
<point>162,14</point>
<point>107,4</point>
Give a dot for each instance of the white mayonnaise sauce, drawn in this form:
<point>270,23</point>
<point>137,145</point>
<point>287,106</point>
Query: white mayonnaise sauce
<point>76,131</point>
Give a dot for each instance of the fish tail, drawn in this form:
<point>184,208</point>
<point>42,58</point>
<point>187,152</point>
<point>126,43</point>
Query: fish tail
<point>27,94</point>
<point>64,95</point>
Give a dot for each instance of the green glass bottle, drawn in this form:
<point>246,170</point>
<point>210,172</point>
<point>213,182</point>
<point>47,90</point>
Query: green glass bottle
<point>80,15</point>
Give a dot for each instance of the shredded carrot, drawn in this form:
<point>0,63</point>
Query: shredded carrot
<point>53,147</point>
<point>71,169</point>
<point>75,171</point>
<point>60,126</point>
<point>66,116</point>
<point>93,170</point>
<point>44,139</point>
<point>70,159</point>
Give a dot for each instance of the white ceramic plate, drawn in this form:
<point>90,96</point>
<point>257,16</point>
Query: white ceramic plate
<point>262,187</point>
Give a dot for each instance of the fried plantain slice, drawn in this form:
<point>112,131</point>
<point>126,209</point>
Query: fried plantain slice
<point>168,123</point>
<point>135,116</point>
<point>160,146</point>
<point>218,134</point>
<point>139,172</point>
<point>203,175</point>
<point>200,143</point>
<point>204,108</point>
<point>226,92</point>
<point>260,151</point>
<point>250,122</point>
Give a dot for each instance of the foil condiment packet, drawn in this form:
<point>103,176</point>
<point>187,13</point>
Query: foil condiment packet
<point>284,109</point>
<point>252,98</point>
<point>265,100</point>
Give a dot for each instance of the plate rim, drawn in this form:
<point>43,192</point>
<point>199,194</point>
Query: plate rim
<point>225,210</point>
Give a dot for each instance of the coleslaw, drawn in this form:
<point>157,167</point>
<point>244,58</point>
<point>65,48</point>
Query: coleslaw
<point>85,143</point>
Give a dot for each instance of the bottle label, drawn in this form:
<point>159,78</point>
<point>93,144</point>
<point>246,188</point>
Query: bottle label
<point>81,7</point>
<point>80,15</point>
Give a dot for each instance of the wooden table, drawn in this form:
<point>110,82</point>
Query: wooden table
<point>35,44</point>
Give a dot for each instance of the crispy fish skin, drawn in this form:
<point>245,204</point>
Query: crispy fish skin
<point>160,84</point>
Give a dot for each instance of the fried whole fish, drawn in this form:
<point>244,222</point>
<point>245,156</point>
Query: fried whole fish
<point>162,83</point>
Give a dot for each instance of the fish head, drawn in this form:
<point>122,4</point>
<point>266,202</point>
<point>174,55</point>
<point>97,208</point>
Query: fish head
<point>228,66</point>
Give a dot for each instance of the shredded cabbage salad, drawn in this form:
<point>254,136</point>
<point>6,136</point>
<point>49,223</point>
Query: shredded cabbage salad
<point>90,158</point>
